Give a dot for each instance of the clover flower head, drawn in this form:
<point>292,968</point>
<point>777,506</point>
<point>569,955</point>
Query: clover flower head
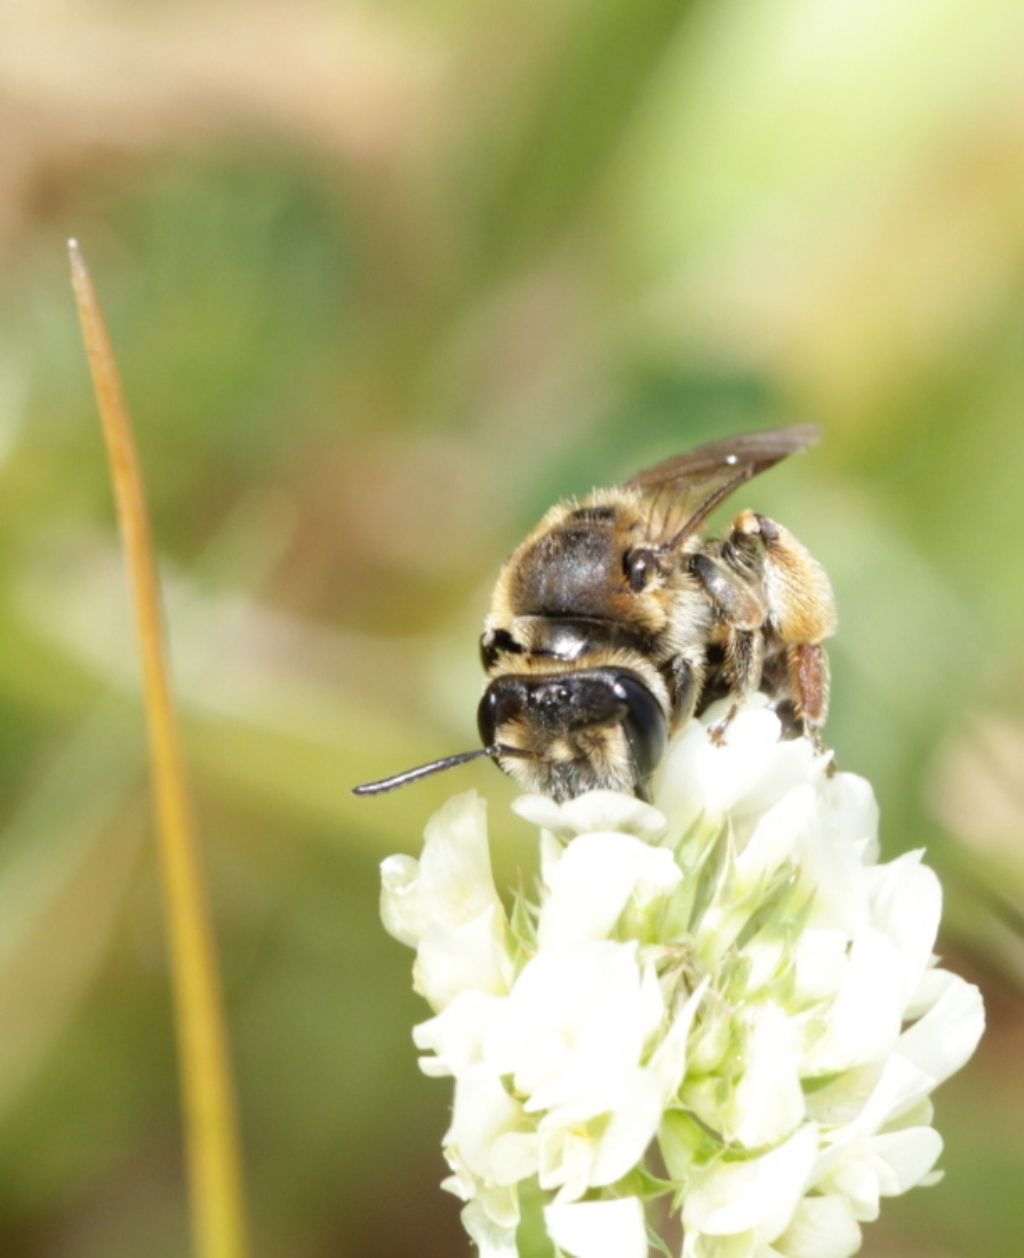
<point>729,978</point>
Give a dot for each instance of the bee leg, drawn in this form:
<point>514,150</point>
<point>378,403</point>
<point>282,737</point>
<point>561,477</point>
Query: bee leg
<point>744,612</point>
<point>684,676</point>
<point>744,659</point>
<point>734,598</point>
<point>801,614</point>
<point>807,667</point>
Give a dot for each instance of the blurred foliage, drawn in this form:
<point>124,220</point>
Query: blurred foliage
<point>385,280</point>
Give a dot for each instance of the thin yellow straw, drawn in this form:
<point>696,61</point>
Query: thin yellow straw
<point>213,1153</point>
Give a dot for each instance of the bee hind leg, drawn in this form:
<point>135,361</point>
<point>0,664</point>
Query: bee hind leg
<point>808,675</point>
<point>801,616</point>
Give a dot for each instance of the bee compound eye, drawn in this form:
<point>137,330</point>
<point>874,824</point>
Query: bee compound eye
<point>502,701</point>
<point>643,722</point>
<point>487,716</point>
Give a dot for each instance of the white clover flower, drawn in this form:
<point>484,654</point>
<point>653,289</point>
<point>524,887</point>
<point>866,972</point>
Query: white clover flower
<point>446,907</point>
<point>730,978</point>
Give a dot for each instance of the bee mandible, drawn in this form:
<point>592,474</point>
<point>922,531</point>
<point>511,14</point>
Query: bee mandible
<point>616,621</point>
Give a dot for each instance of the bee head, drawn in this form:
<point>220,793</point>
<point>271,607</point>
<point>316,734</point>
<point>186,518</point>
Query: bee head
<point>566,733</point>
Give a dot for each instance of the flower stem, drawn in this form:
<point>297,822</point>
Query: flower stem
<point>213,1154</point>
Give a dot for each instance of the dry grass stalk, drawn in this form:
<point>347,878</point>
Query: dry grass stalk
<point>211,1127</point>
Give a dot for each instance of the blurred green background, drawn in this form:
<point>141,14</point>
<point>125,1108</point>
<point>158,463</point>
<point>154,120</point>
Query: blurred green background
<point>385,280</point>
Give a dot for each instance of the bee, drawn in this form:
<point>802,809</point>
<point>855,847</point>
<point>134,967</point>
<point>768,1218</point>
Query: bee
<point>616,621</point>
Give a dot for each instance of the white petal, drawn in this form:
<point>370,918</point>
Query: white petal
<point>793,762</point>
<point>823,1227</point>
<point>768,1101</point>
<point>863,1023</point>
<point>864,1165</point>
<point>906,903</point>
<point>843,834</point>
<point>907,1157</point>
<point>856,1178</point>
<point>698,1245</point>
<point>854,812</point>
<point>628,1132</point>
<point>833,868</point>
<point>820,962</point>
<point>576,1157</point>
<point>483,1112</point>
<point>592,812</point>
<point>921,1114</point>
<point>470,956</point>
<point>515,1156</point>
<point>400,909</point>
<point>455,867</point>
<point>699,776</point>
<point>451,883</point>
<point>491,1240</point>
<point>541,811</point>
<point>767,957</point>
<point>943,1040</point>
<point>760,1193</point>
<point>500,1205</point>
<point>668,1063</point>
<point>599,1229</point>
<point>843,1097</point>
<point>594,879</point>
<point>775,836</point>
<point>566,1157</point>
<point>552,850</point>
<point>456,856</point>
<point>884,1165</point>
<point>931,987</point>
<point>456,1036</point>
<point>860,1103</point>
<point>575,1022</point>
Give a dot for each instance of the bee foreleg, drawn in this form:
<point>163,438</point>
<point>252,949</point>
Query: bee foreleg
<point>684,675</point>
<point>801,613</point>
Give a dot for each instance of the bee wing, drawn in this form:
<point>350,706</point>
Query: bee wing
<point>684,490</point>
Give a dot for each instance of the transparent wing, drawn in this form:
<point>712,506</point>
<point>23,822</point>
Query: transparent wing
<point>684,490</point>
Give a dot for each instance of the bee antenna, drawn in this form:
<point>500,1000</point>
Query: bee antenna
<point>426,770</point>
